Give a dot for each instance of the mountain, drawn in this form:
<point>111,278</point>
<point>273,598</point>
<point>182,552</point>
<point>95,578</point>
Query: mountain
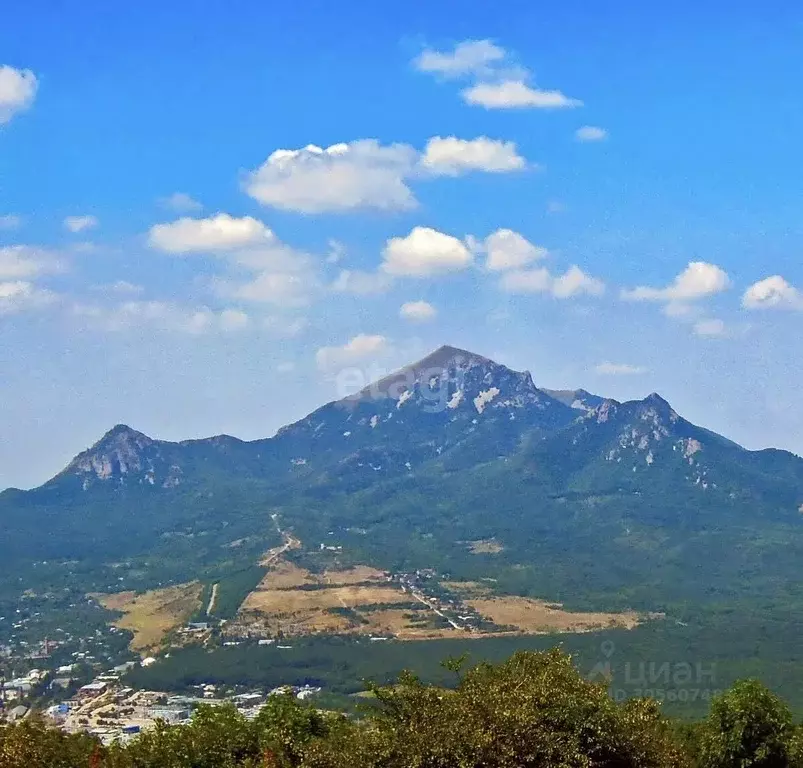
<point>590,500</point>
<point>578,399</point>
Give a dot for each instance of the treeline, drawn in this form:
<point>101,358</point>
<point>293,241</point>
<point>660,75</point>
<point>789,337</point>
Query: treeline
<point>533,710</point>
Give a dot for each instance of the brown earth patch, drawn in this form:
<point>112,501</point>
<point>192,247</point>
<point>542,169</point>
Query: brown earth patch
<point>359,574</point>
<point>151,616</point>
<point>537,616</point>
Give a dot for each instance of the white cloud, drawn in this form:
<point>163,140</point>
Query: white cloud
<point>507,249</point>
<point>20,295</point>
<point>451,156</point>
<point>220,232</point>
<point>619,369</point>
<point>336,252</point>
<point>80,223</point>
<point>17,91</point>
<point>590,133</point>
<point>471,57</point>
<point>418,311</point>
<point>286,367</point>
<point>699,280</point>
<point>24,261</point>
<point>516,94</point>
<point>710,328</point>
<point>526,281</point>
<point>497,82</point>
<point>366,174</point>
<point>359,349</point>
<point>163,316</point>
<point>278,274</point>
<point>361,283</point>
<point>233,320</point>
<point>362,174</point>
<point>573,282</point>
<point>10,221</point>
<point>180,202</point>
<point>286,289</point>
<point>425,252</point>
<point>773,293</point>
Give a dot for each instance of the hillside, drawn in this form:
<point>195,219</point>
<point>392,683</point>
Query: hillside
<point>598,504</point>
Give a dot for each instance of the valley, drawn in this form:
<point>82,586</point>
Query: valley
<point>454,502</point>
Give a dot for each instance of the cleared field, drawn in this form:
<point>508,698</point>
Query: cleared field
<point>151,616</point>
<point>485,547</point>
<point>357,575</point>
<point>396,621</point>
<point>535,616</point>
<point>286,575</point>
<point>361,600</point>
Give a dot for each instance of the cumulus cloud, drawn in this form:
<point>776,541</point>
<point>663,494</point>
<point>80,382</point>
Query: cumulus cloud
<point>220,232</point>
<point>589,133</point>
<point>506,249</point>
<point>573,282</point>
<point>698,281</point>
<point>25,261</point>
<point>10,221</point>
<point>471,57</point>
<point>362,174</point>
<point>497,82</point>
<point>418,311</point>
<point>451,156</point>
<point>180,202</point>
<point>21,295</point>
<point>359,349</point>
<point>773,293</point>
<point>425,252</point>
<point>366,174</point>
<point>619,369</point>
<point>516,94</point>
<point>17,91</point>
<point>263,268</point>
<point>77,224</point>
<point>359,283</point>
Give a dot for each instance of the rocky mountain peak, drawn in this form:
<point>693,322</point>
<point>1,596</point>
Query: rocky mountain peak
<point>122,453</point>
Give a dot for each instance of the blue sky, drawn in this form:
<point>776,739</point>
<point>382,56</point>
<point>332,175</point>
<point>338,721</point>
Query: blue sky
<point>609,198</point>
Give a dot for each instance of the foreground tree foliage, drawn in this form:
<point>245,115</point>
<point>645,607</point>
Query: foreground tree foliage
<point>533,710</point>
<point>748,727</point>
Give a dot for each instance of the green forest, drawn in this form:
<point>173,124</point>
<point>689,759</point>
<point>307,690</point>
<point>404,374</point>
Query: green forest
<point>534,709</point>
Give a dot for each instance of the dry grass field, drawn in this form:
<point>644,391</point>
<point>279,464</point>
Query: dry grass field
<point>537,616</point>
<point>151,616</point>
<point>293,601</point>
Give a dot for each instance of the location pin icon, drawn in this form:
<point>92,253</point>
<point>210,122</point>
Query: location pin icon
<point>607,647</point>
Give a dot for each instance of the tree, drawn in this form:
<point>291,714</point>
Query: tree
<point>748,727</point>
<point>533,710</point>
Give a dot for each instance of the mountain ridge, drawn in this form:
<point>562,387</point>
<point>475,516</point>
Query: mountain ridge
<point>123,450</point>
<point>607,504</point>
